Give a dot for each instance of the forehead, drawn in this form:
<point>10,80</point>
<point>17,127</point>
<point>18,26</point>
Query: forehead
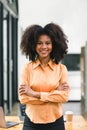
<point>44,36</point>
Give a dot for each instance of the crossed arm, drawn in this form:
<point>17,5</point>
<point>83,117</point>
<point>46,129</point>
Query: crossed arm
<point>60,94</point>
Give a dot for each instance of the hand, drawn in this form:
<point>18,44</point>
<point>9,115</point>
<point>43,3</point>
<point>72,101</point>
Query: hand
<point>63,87</point>
<point>24,89</point>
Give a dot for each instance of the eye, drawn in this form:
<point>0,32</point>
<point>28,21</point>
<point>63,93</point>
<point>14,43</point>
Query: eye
<point>38,42</point>
<point>48,42</point>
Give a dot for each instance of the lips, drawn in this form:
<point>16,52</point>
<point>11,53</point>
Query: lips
<point>43,52</point>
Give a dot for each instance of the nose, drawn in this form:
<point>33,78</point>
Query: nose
<point>44,45</point>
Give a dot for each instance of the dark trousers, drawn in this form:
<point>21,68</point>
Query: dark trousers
<point>57,125</point>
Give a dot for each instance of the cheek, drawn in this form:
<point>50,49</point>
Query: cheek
<point>37,48</point>
<point>50,48</point>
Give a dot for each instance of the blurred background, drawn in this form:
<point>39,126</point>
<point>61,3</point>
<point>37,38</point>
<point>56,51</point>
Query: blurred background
<point>15,17</point>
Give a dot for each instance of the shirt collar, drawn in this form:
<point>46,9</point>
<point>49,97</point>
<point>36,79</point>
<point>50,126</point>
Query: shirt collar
<point>37,62</point>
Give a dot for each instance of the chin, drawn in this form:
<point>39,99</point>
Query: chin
<point>43,56</point>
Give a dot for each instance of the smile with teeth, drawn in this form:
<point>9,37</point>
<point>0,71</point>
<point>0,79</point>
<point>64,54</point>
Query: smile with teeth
<point>43,52</point>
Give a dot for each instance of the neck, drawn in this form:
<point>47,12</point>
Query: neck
<point>44,61</point>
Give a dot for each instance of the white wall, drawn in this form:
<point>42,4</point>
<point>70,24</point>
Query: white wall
<point>70,14</point>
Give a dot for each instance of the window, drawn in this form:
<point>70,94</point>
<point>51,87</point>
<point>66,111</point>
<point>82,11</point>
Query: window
<point>72,62</point>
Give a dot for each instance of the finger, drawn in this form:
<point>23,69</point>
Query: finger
<point>22,92</point>
<point>66,88</point>
<point>21,89</point>
<point>22,84</point>
<point>64,83</point>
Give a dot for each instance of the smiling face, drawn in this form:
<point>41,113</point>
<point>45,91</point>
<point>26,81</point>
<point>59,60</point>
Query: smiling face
<point>44,46</point>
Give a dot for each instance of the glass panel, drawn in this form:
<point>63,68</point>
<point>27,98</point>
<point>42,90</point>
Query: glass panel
<point>72,61</point>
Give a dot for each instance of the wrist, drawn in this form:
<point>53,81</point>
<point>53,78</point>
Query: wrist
<point>37,94</point>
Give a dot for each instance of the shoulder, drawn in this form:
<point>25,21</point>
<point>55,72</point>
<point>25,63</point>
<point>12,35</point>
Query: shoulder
<point>27,66</point>
<point>62,66</point>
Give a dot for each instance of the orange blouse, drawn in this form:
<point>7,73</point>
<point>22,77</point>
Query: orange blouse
<point>44,80</point>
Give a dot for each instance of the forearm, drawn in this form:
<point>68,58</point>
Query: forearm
<point>27,95</point>
<point>61,94</point>
<point>55,96</point>
<point>36,95</point>
<point>25,99</point>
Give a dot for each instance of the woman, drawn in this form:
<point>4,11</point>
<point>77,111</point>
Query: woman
<point>44,80</point>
